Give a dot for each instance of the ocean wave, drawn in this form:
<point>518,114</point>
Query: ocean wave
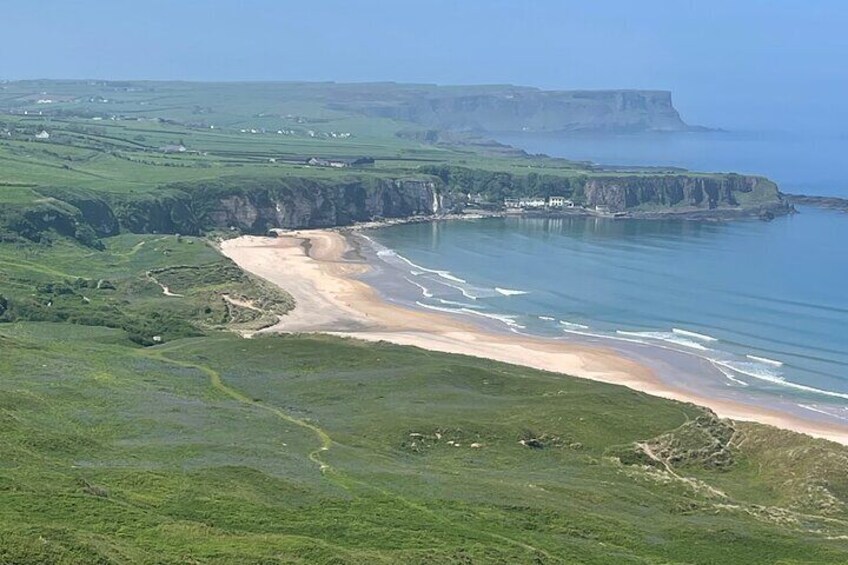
<point>424,290</point>
<point>687,333</point>
<point>547,318</point>
<point>386,254</point>
<point>814,408</point>
<point>728,374</point>
<point>507,320</point>
<point>460,304</point>
<point>603,336</point>
<point>447,275</point>
<point>757,371</point>
<point>765,360</point>
<point>509,292</point>
<point>668,337</point>
<point>463,290</point>
<point>504,318</point>
<point>573,325</point>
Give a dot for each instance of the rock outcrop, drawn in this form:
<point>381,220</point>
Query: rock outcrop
<point>686,192</point>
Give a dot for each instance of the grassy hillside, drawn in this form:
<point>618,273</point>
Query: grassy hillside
<point>210,448</point>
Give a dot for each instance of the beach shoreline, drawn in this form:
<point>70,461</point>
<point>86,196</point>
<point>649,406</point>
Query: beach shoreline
<point>323,273</point>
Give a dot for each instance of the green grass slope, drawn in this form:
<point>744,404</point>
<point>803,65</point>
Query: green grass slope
<point>211,448</point>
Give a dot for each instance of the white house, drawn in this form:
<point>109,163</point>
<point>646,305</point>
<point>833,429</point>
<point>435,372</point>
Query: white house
<point>560,202</point>
<point>42,135</point>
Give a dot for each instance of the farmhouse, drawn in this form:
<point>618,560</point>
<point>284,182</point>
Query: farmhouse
<point>42,135</point>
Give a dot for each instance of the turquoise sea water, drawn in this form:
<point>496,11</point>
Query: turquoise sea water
<point>764,305</point>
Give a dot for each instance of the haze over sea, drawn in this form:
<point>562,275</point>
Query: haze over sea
<point>763,304</point>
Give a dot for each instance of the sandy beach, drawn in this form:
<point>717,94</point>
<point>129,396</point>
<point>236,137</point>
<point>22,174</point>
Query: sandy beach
<point>320,269</point>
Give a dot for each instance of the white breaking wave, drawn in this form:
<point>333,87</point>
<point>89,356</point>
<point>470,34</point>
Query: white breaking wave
<point>765,360</point>
<point>759,372</point>
<point>445,278</point>
<point>465,292</point>
<point>450,277</point>
<point>385,253</point>
<point>727,373</point>
<point>573,325</point>
<point>668,337</point>
<point>509,321</point>
<point>437,308</point>
<point>687,333</point>
<point>813,408</point>
<point>424,290</point>
<point>547,318</point>
<point>509,292</point>
<point>460,304</point>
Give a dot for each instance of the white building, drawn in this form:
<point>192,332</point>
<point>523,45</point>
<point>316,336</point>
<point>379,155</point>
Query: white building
<point>560,202</point>
<point>42,135</point>
<point>532,202</point>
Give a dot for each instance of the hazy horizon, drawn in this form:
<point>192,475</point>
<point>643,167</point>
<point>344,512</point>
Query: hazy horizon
<point>761,65</point>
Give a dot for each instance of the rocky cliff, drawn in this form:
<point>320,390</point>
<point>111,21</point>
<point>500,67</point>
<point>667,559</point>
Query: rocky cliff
<point>651,193</point>
<point>248,205</point>
<point>514,109</point>
<point>255,205</point>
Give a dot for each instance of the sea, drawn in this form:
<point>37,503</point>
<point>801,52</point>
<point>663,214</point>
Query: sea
<point>744,309</point>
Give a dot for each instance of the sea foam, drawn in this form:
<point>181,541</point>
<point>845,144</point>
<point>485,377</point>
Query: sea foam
<point>668,337</point>
<point>757,371</point>
<point>687,333</point>
<point>424,290</point>
<point>509,292</point>
<point>765,360</point>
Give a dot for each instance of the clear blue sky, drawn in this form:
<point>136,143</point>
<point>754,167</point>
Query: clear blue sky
<point>739,64</point>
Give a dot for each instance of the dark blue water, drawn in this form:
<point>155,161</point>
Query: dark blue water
<point>766,303</point>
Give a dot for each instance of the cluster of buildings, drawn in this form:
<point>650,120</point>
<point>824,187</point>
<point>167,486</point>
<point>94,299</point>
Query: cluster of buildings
<point>538,202</point>
<point>339,163</point>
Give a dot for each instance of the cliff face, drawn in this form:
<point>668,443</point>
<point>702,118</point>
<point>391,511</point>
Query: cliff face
<point>536,110</point>
<point>248,205</point>
<point>315,205</point>
<point>259,204</point>
<point>684,191</point>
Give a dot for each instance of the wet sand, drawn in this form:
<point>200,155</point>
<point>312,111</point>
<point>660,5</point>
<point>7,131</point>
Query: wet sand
<point>321,271</point>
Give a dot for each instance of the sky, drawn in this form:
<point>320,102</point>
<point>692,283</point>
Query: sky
<point>743,64</point>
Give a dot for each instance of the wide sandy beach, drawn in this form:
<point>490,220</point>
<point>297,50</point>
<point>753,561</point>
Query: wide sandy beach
<point>320,269</point>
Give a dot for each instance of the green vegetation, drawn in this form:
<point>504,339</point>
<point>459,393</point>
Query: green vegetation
<point>92,159</point>
<point>208,447</point>
<point>123,287</point>
<point>137,425</point>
